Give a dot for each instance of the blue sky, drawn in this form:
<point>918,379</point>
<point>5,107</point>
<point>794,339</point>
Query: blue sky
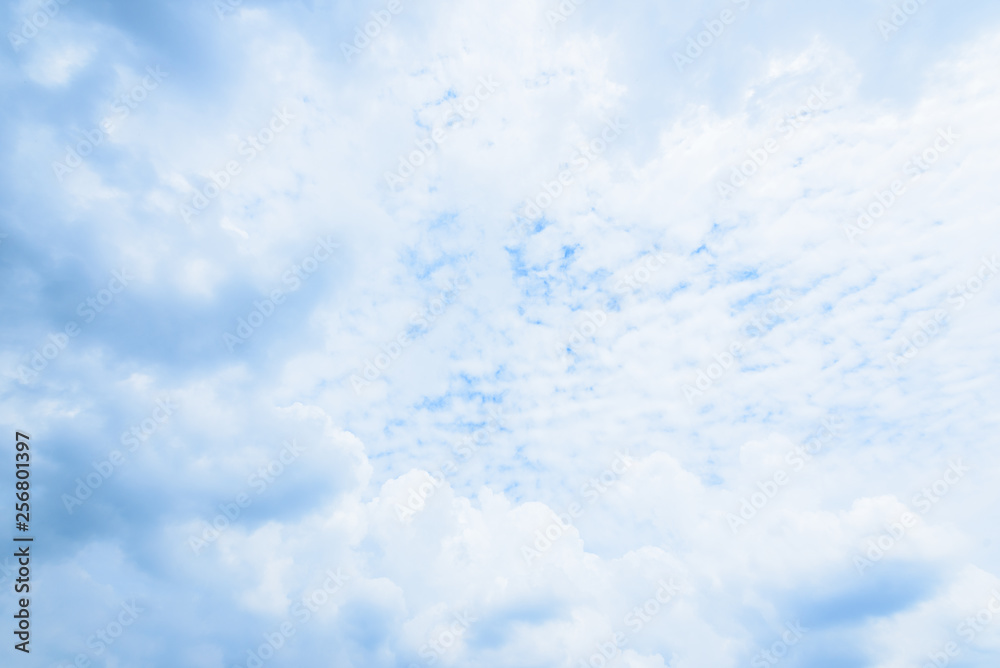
<point>543,334</point>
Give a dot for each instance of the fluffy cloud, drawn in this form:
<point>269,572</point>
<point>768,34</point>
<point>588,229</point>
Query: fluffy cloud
<point>713,387</point>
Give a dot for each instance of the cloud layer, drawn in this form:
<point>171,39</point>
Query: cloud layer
<point>550,334</point>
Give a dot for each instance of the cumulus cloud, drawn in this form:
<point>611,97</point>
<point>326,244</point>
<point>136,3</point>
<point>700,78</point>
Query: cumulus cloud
<point>437,334</point>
